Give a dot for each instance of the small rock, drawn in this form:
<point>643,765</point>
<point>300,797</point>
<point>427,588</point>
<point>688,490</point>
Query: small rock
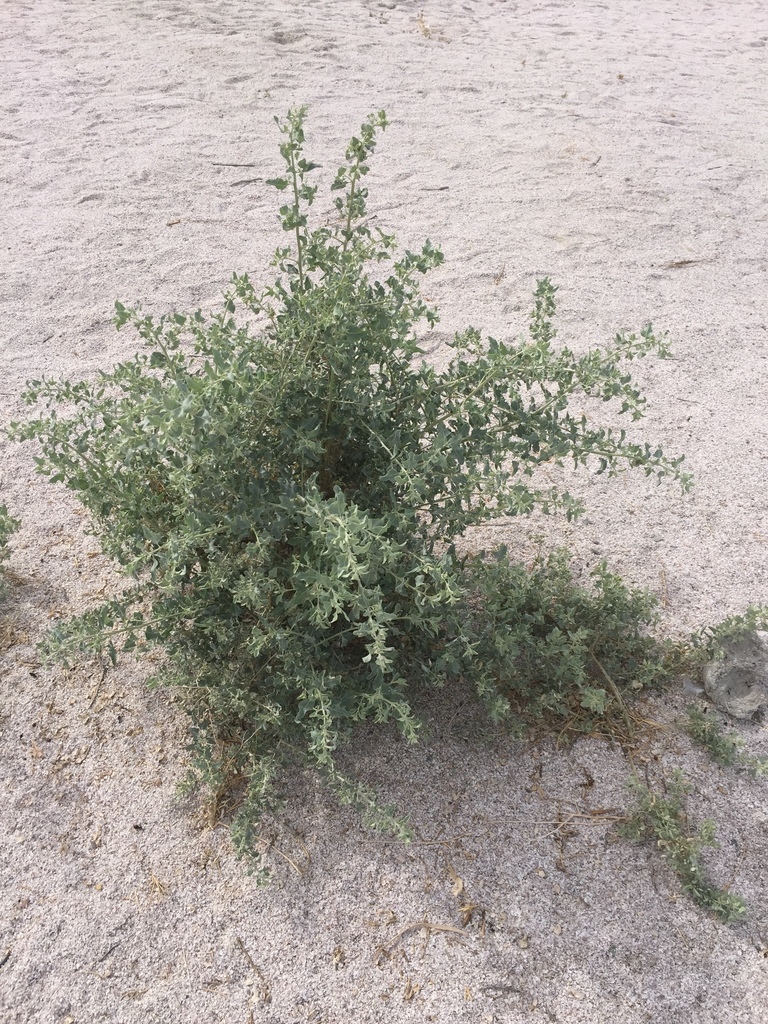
<point>691,686</point>
<point>737,680</point>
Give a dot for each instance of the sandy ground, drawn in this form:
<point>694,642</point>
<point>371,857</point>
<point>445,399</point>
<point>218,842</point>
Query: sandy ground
<point>620,148</point>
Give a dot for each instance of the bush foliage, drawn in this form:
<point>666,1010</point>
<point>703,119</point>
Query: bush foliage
<point>726,749</point>
<point>662,819</point>
<point>283,483</point>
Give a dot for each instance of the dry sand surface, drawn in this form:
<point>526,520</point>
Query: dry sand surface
<point>619,147</point>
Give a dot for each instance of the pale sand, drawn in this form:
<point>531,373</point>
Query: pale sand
<point>620,148</point>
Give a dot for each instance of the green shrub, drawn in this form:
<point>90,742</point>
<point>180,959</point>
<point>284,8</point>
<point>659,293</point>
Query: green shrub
<point>284,490</point>
<point>711,641</point>
<point>726,749</point>
<point>662,819</point>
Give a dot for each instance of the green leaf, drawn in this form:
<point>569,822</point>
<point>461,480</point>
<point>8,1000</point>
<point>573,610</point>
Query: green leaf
<point>594,699</point>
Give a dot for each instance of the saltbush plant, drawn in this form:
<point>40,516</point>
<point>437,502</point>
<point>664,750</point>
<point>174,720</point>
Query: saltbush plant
<point>726,749</point>
<point>662,820</point>
<point>283,483</point>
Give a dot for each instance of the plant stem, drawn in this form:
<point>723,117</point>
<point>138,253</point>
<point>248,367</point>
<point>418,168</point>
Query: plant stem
<point>615,691</point>
<point>294,178</point>
<point>352,182</point>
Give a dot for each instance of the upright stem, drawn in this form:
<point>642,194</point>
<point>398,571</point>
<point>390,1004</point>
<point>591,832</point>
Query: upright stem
<point>331,390</point>
<point>348,229</point>
<point>616,693</point>
<point>294,178</point>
